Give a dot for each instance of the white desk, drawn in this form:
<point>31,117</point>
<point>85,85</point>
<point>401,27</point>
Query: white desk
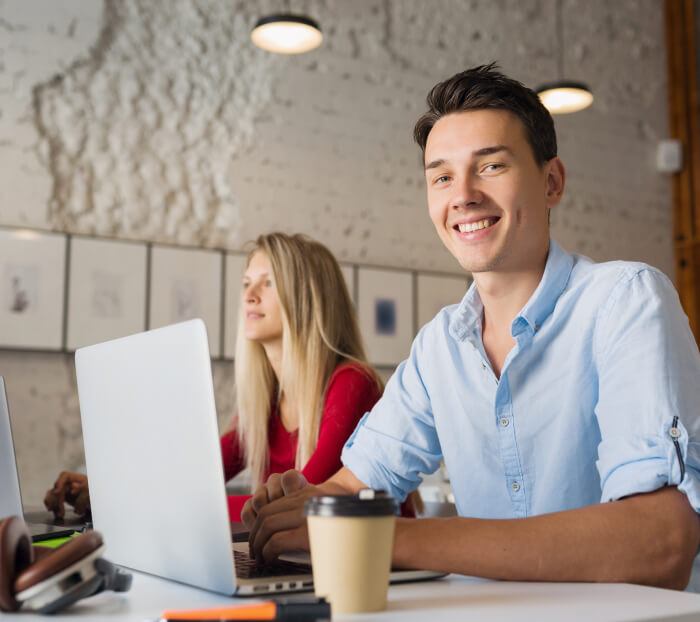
<point>450,599</point>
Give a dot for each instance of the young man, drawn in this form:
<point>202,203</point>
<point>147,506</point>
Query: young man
<point>563,395</point>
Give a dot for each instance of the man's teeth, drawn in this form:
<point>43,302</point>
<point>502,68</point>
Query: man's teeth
<point>474,226</point>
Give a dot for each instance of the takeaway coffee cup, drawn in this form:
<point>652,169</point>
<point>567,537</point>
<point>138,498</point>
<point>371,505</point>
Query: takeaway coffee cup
<point>351,539</point>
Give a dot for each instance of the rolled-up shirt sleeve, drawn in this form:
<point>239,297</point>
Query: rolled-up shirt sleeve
<point>648,405</point>
<point>396,441</point>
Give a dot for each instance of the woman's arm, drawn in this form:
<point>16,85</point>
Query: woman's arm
<point>234,463</point>
<point>232,454</point>
<point>351,393</point>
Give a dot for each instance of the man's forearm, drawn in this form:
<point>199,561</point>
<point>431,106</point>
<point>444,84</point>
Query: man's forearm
<point>649,539</point>
<point>343,482</point>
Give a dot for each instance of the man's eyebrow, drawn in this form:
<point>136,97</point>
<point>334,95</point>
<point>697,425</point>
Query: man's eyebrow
<point>434,164</point>
<point>484,151</point>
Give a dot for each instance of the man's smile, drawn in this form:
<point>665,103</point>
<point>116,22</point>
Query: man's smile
<point>470,230</point>
<point>468,227</point>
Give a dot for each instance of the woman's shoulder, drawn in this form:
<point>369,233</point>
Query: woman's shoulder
<point>351,370</point>
<point>356,378</point>
<point>353,386</point>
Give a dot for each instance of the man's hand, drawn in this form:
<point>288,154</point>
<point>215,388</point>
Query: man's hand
<point>71,488</point>
<point>275,515</point>
<point>277,486</point>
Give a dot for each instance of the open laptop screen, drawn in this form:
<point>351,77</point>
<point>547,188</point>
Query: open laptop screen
<point>10,495</point>
<point>153,455</point>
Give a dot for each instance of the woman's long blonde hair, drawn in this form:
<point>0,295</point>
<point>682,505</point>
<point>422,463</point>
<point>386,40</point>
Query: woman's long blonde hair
<point>319,331</point>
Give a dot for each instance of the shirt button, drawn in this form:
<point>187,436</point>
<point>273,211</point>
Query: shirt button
<point>674,432</point>
<point>504,421</point>
<point>483,365</point>
<point>515,486</point>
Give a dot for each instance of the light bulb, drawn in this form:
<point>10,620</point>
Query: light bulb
<point>287,34</point>
<point>565,97</point>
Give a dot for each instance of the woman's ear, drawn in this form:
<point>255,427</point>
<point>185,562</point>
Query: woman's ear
<point>555,180</point>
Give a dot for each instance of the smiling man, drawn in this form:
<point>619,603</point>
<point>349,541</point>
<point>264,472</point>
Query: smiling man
<point>562,394</point>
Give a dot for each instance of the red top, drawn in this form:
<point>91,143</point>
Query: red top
<point>351,393</point>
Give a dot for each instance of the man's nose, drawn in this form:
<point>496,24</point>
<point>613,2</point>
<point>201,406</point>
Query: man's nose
<point>466,192</point>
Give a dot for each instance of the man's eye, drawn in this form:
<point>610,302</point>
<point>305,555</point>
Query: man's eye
<point>442,179</point>
<point>490,168</point>
<point>268,283</point>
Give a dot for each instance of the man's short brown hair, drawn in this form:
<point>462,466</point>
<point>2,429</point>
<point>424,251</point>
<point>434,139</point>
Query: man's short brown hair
<point>485,87</point>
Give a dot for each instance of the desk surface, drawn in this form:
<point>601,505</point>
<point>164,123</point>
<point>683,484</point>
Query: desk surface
<point>452,598</point>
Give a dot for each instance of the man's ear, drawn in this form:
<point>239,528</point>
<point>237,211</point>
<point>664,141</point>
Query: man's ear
<point>555,180</point>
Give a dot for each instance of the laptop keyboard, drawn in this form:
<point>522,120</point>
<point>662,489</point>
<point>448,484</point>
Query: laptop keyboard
<point>247,568</point>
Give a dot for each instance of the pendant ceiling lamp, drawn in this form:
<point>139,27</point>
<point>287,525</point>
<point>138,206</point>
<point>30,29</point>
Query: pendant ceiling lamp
<point>563,96</point>
<point>287,34</point>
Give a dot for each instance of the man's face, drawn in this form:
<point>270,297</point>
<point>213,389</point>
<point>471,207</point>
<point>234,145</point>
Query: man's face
<point>487,197</point>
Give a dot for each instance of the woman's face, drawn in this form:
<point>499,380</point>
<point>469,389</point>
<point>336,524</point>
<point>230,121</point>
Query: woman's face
<point>261,306</point>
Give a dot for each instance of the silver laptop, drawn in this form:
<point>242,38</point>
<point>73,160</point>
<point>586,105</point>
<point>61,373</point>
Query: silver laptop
<point>10,495</point>
<point>153,458</point>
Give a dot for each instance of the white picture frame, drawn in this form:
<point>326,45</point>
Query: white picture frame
<point>435,291</point>
<point>32,289</point>
<point>106,290</point>
<point>385,314</point>
<point>186,283</point>
<point>235,268</point>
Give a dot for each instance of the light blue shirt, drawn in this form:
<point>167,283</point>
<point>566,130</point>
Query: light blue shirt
<point>598,399</point>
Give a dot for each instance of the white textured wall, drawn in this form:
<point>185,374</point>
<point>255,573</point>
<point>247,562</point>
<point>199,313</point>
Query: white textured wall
<point>158,120</point>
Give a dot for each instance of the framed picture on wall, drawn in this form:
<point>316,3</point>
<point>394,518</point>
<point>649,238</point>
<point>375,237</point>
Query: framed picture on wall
<point>235,267</point>
<point>435,291</point>
<point>385,313</point>
<point>32,286</point>
<point>186,283</point>
<point>348,271</point>
<point>106,290</point>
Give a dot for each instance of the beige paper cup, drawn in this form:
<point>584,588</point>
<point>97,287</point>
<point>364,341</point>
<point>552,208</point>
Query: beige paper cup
<point>351,539</point>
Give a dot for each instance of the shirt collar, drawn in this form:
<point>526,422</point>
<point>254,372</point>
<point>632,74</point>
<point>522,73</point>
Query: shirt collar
<point>466,320</point>
<point>541,304</point>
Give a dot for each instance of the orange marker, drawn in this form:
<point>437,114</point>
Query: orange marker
<point>269,610</point>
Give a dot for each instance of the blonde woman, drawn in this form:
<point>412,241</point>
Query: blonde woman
<point>302,378</point>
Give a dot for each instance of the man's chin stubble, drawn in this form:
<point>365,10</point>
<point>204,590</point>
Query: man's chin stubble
<point>489,266</point>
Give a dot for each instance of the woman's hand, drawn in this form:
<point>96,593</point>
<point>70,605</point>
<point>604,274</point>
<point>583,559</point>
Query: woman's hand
<point>71,488</point>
